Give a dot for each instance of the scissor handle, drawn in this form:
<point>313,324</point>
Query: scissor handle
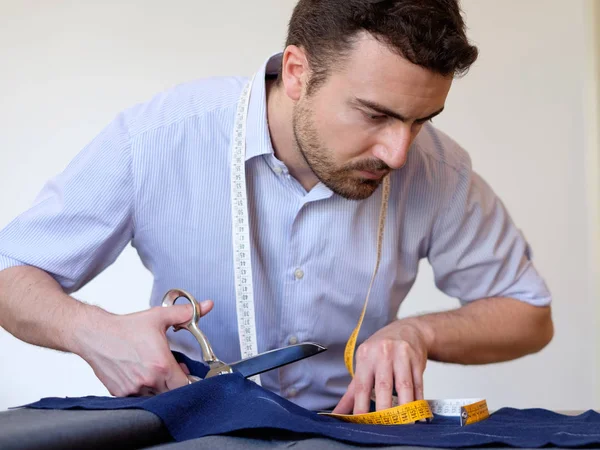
<point>191,325</point>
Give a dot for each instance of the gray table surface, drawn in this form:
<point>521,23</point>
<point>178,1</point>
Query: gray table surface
<point>24,429</point>
<point>83,429</point>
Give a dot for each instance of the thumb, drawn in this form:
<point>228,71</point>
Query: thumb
<point>178,314</point>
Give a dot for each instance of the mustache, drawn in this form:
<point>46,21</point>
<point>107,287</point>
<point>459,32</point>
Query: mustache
<point>371,165</point>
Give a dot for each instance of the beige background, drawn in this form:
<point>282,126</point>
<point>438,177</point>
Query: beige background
<point>527,112</point>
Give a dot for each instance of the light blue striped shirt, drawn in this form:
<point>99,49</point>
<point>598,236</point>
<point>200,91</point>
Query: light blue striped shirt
<point>158,177</point>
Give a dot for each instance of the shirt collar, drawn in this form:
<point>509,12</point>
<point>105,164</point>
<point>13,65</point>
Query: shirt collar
<point>258,138</point>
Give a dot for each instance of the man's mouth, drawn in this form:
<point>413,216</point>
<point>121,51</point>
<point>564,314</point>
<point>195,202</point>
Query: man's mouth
<point>373,175</point>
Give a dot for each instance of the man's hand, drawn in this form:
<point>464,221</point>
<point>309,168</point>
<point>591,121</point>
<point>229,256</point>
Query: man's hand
<point>481,332</point>
<point>130,353</point>
<point>395,356</point>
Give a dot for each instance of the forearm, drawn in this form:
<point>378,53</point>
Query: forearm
<point>34,309</point>
<point>485,331</point>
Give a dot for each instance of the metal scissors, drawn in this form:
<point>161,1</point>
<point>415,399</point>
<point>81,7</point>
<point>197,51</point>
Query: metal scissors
<point>248,367</point>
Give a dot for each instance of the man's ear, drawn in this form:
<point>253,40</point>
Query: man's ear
<point>294,71</point>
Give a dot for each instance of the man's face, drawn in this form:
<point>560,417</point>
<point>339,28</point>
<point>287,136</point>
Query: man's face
<point>359,124</point>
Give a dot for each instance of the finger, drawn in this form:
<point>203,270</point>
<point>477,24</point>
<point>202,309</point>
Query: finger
<point>418,382</point>
<point>205,307</point>
<point>363,387</point>
<point>178,314</point>
<point>403,380</point>
<point>384,384</point>
<point>185,368</point>
<point>346,403</point>
<point>176,377</point>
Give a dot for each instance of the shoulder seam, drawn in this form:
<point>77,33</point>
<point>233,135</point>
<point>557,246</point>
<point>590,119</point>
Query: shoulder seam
<point>177,120</point>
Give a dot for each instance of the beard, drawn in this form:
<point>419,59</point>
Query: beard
<point>320,160</point>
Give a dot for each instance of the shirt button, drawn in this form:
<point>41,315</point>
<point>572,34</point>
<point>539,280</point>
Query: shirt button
<point>293,340</point>
<point>278,170</point>
<point>298,273</point>
<point>292,392</point>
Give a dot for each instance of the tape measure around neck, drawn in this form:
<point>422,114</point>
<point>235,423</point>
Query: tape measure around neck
<point>240,227</point>
<point>351,344</point>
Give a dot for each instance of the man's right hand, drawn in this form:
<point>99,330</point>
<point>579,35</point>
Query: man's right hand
<point>130,353</point>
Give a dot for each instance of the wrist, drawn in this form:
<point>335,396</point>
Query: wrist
<point>424,328</point>
<point>88,320</point>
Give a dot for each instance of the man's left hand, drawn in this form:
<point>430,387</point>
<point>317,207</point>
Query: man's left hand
<point>395,356</point>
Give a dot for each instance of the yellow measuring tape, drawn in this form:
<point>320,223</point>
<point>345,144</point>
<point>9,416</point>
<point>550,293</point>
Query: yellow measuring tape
<point>468,410</point>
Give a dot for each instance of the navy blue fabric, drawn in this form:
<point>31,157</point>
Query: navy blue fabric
<point>230,403</point>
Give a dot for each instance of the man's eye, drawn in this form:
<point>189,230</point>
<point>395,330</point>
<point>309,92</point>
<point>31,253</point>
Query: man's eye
<point>377,116</point>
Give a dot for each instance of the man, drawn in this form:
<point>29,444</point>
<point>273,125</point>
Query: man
<point>347,104</point>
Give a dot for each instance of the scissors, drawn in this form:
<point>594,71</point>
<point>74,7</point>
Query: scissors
<point>248,367</point>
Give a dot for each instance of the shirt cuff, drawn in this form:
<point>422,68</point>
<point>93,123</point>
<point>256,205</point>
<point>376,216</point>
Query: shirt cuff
<point>6,262</point>
<point>530,288</point>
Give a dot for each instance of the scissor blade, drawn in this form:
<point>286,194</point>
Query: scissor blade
<point>276,358</point>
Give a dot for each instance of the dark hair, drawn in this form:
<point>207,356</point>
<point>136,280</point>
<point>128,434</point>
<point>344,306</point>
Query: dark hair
<point>428,33</point>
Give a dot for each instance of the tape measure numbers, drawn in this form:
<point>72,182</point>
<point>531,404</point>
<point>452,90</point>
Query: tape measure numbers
<point>469,410</point>
<point>474,412</point>
<point>398,415</point>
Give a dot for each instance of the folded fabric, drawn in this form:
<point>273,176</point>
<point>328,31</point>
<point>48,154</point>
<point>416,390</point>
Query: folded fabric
<point>230,403</point>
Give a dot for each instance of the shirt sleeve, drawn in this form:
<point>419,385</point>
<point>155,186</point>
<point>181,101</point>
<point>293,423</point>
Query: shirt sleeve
<point>477,251</point>
<point>82,219</point>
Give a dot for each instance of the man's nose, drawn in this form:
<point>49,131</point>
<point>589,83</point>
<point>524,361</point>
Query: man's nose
<point>393,147</point>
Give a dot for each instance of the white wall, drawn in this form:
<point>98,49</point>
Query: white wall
<point>68,67</point>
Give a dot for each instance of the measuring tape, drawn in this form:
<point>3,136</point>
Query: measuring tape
<point>244,291</point>
<point>468,410</point>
